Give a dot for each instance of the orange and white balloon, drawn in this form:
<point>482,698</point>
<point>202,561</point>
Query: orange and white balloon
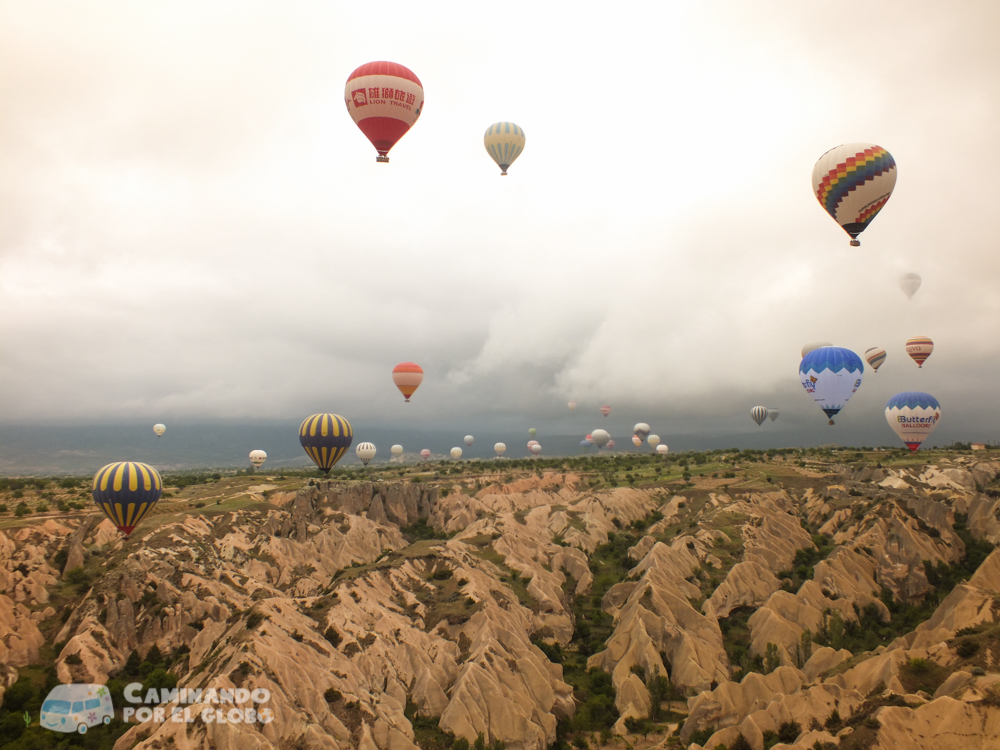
<point>407,376</point>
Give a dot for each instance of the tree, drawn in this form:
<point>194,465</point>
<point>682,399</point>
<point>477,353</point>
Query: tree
<point>772,658</point>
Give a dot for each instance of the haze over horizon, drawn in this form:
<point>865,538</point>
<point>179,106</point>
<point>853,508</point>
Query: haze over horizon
<point>195,230</point>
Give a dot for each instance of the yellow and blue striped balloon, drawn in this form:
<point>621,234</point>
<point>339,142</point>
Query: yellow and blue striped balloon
<point>325,438</point>
<point>504,143</point>
<point>126,491</point>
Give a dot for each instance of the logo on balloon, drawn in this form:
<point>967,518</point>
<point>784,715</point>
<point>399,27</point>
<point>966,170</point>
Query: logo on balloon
<point>360,100</point>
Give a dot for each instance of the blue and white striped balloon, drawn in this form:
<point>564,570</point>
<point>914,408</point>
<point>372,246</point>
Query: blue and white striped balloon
<point>504,142</point>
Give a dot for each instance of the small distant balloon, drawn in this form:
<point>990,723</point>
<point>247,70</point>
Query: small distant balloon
<point>532,431</point>
<point>773,414</point>
<point>875,357</point>
<point>611,445</point>
<point>396,450</point>
<point>852,183</point>
<point>919,348</point>
<point>600,438</point>
<point>456,453</point>
<point>257,458</point>
<point>831,375</point>
<point>662,449</point>
<point>366,452</point>
<point>653,440</point>
<point>913,415</point>
<point>407,376</point>
<point>531,443</point>
<point>813,346</point>
<point>571,405</point>
<point>504,142</point>
<point>759,414</point>
<point>910,283</point>
<point>641,430</point>
<point>605,410</point>
<point>585,444</point>
<point>636,441</point>
<point>536,449</point>
<point>425,454</point>
<point>500,448</point>
<point>159,429</point>
<point>469,440</point>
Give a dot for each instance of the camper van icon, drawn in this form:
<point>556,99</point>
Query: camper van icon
<point>76,708</point>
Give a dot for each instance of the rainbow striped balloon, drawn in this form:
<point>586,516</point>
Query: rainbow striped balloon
<point>852,183</point>
<point>504,142</point>
<point>325,438</point>
<point>875,356</point>
<point>126,491</point>
<point>919,348</point>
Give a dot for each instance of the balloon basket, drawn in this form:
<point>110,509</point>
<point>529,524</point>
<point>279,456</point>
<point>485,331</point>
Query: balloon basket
<point>854,243</point>
<point>382,159</point>
<point>830,422</point>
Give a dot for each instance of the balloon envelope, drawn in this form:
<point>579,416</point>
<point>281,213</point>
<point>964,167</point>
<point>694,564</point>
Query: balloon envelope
<point>600,438</point>
<point>662,449</point>
<point>425,454</point>
<point>396,450</point>
<point>257,458</point>
<point>536,449</point>
<point>773,414</point>
<point>759,414</point>
<point>500,448</point>
<point>407,376</point>
<point>605,410</point>
<point>126,491</point>
<point>913,415</point>
<point>653,440</point>
<point>325,439</point>
<point>919,348</point>
<point>159,429</point>
<point>813,346</point>
<point>852,183</point>
<point>456,452</point>
<point>910,283</point>
<point>384,99</point>
<point>831,375</point>
<point>611,445</point>
<point>366,452</point>
<point>469,440</point>
<point>571,404</point>
<point>875,357</point>
<point>641,430</point>
<point>504,142</point>
<point>532,431</point>
<point>636,441</point>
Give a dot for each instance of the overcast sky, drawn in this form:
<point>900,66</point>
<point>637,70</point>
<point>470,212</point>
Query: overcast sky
<point>193,228</point>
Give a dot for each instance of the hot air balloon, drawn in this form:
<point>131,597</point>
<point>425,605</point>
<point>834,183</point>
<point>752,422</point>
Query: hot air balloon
<point>590,437</point>
<point>636,441</point>
<point>456,453</point>
<point>605,410</point>
<point>366,452</point>
<point>531,443</point>
<point>641,430</point>
<point>504,142</point>
<point>919,348</point>
<point>653,440</point>
<point>159,429</point>
<point>831,375</point>
<point>536,449</point>
<point>532,431</point>
<point>599,438</point>
<point>773,414</point>
<point>469,440</point>
<point>396,450</point>
<point>500,448</point>
<point>611,445</point>
<point>425,454</point>
<point>585,444</point>
<point>875,357</point>
<point>813,346</point>
<point>571,405</point>
<point>909,283</point>
<point>913,416</point>
<point>384,99</point>
<point>325,438</point>
<point>126,491</point>
<point>257,458</point>
<point>852,183</point>
<point>759,414</point>
<point>662,449</point>
<point>407,376</point>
